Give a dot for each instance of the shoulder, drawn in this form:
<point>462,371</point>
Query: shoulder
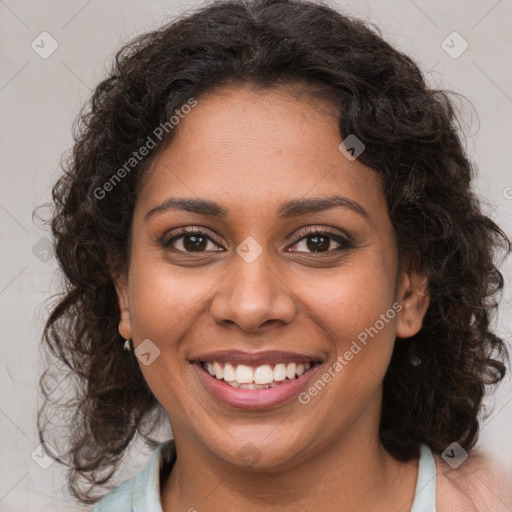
<point>477,485</point>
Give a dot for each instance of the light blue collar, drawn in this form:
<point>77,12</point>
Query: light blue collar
<point>425,493</point>
<point>146,489</point>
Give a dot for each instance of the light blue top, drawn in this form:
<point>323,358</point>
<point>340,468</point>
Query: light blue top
<point>142,492</point>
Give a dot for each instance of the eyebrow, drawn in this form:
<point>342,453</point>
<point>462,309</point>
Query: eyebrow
<point>292,208</point>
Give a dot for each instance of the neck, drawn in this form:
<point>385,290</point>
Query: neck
<point>354,472</point>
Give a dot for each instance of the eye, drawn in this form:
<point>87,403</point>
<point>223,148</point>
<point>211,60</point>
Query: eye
<point>321,241</point>
<point>191,240</point>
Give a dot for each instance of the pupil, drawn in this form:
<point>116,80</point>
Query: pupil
<point>323,244</point>
<point>198,243</point>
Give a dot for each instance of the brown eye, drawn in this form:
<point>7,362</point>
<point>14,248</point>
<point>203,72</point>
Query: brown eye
<point>194,242</point>
<point>321,241</point>
<point>191,241</point>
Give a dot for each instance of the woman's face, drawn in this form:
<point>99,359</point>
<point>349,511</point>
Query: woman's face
<point>254,292</point>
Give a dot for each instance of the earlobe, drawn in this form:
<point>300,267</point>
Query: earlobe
<point>414,298</point>
<point>125,326</point>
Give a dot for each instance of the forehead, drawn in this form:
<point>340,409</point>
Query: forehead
<point>259,148</point>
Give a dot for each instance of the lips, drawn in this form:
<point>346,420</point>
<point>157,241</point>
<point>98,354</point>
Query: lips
<point>253,380</point>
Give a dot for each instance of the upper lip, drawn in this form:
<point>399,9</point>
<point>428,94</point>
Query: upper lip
<point>255,358</point>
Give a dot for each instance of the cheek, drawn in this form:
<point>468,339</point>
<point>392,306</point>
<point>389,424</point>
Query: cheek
<point>354,308</point>
<point>165,300</point>
<point>164,305</point>
<point>349,300</point>
<point>359,323</point>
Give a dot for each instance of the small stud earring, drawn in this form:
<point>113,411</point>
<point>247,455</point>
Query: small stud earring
<point>127,345</point>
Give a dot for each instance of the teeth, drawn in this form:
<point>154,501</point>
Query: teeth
<point>248,386</point>
<point>252,386</point>
<point>280,372</point>
<point>217,368</point>
<point>243,374</point>
<point>290,370</point>
<point>229,372</point>
<point>263,374</point>
<point>246,377</point>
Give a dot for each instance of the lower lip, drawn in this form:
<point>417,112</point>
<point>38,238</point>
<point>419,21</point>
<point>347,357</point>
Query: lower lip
<point>254,398</point>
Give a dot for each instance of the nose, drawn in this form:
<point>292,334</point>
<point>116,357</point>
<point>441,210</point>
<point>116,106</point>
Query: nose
<point>252,295</point>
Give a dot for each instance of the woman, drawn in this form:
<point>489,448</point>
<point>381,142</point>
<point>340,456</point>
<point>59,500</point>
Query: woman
<point>272,213</point>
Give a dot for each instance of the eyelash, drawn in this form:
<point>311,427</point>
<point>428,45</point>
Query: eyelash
<point>344,243</point>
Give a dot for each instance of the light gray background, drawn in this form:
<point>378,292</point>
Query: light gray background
<point>39,99</point>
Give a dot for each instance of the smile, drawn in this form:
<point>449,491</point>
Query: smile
<point>243,376</point>
<point>256,380</point>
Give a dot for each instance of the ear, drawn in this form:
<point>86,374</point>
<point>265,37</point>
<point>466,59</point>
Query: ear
<point>125,326</point>
<point>414,298</point>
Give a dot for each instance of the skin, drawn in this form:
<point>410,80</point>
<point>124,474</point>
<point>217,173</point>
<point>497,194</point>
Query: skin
<point>250,151</point>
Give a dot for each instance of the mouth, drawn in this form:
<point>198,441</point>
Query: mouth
<point>242,376</point>
<point>251,381</point>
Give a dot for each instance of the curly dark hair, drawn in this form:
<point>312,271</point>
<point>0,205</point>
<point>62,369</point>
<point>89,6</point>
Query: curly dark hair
<point>411,134</point>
